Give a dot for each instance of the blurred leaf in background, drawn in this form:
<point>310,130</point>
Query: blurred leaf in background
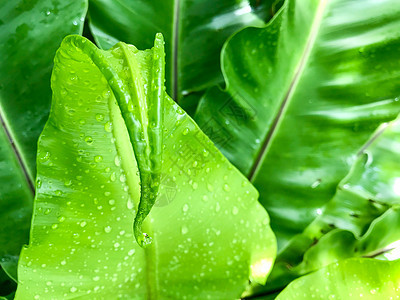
<point>194,32</point>
<point>30,31</point>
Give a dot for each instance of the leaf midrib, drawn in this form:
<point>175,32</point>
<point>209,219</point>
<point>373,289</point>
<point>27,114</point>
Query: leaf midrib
<point>17,151</point>
<point>292,87</point>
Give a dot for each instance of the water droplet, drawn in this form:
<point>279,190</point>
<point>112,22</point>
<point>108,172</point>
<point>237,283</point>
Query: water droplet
<point>89,140</point>
<point>122,178</point>
<point>217,207</point>
<point>107,229</point>
<point>43,157</point>
<point>131,252</point>
<point>111,202</point>
<point>61,219</point>
<point>146,240</point>
<point>113,176</point>
<point>99,117</point>
<point>235,210</point>
<point>47,211</point>
<point>316,183</point>
<point>205,198</point>
<point>83,224</point>
<point>54,226</point>
<point>98,158</point>
<point>184,230</point>
<point>129,204</point>
<point>108,126</point>
<point>96,278</point>
<point>185,208</point>
<point>226,188</point>
<point>117,161</point>
<point>116,245</point>
<point>63,262</point>
<point>73,289</point>
<point>185,131</point>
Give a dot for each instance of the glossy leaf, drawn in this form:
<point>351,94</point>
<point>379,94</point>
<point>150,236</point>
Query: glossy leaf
<point>82,243</point>
<point>362,218</point>
<point>194,32</point>
<point>349,279</point>
<point>7,285</point>
<point>303,95</point>
<point>31,32</point>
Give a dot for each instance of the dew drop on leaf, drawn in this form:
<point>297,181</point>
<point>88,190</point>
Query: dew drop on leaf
<point>184,230</point>
<point>108,126</point>
<point>89,140</point>
<point>99,117</point>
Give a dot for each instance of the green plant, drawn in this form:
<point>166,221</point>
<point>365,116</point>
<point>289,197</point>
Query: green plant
<point>132,200</point>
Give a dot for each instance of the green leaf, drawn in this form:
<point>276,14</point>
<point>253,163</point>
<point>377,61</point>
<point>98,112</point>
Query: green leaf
<point>361,219</point>
<point>194,32</point>
<point>7,285</point>
<point>210,235</point>
<point>346,280</point>
<point>31,32</point>
<point>303,94</point>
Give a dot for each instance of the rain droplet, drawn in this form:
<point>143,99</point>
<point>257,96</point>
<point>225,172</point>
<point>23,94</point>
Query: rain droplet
<point>235,210</point>
<point>98,158</point>
<point>184,230</point>
<point>89,140</point>
<point>108,126</point>
<point>113,176</point>
<point>107,229</point>
<point>129,204</point>
<point>185,131</point>
<point>185,208</point>
<point>99,117</point>
<point>226,188</point>
<point>122,178</point>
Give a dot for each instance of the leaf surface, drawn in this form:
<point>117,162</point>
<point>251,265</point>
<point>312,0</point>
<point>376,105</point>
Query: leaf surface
<point>350,279</point>
<point>194,32</point>
<point>303,95</point>
<point>82,243</point>
<point>362,218</point>
<point>31,32</point>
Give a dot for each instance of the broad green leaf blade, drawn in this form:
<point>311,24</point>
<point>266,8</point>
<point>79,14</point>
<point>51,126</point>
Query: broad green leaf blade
<point>303,94</point>
<point>89,190</point>
<point>350,279</point>
<point>194,32</point>
<point>15,203</point>
<point>7,285</point>
<point>31,32</point>
<point>361,219</point>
